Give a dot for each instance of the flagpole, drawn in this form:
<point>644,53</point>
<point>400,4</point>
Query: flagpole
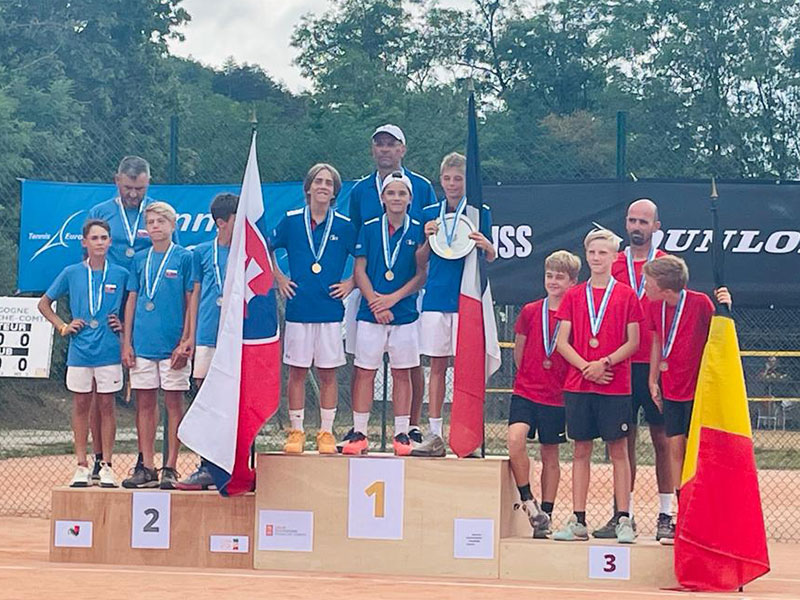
<point>717,248</point>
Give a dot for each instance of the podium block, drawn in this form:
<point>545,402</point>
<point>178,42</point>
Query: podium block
<point>173,528</point>
<point>437,517</point>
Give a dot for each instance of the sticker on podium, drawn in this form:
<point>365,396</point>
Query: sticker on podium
<point>150,520</point>
<point>235,544</point>
<point>375,498</point>
<point>73,534</point>
<point>286,530</point>
<point>609,562</point>
<point>473,538</point>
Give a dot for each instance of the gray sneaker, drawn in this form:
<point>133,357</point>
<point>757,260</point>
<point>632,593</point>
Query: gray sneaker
<point>432,445</point>
<point>665,530</point>
<point>539,520</point>
<point>142,478</point>
<point>609,530</point>
<point>625,532</point>
<point>572,532</point>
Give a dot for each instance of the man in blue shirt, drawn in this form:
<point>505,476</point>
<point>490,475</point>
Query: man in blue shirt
<point>389,272</point>
<point>159,340</point>
<point>439,317</point>
<point>318,241</point>
<point>209,261</point>
<point>95,289</point>
<point>388,150</point>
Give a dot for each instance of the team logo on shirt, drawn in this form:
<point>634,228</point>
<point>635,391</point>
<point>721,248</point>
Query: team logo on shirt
<point>333,237</point>
<point>170,273</point>
<point>411,242</point>
<point>110,288</point>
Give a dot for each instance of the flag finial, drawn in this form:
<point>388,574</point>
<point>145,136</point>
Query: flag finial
<point>714,194</point>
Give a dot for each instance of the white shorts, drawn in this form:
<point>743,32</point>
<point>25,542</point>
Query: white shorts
<point>351,305</point>
<point>438,331</point>
<point>318,343</point>
<point>400,341</point>
<point>202,361</point>
<point>108,379</point>
<point>152,374</point>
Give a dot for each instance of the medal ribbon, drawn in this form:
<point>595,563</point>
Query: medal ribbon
<point>310,235</point>
<point>596,319</point>
<point>93,310</point>
<point>150,290</point>
<point>389,262</point>
<point>215,259</point>
<point>666,344</point>
<point>462,205</point>
<point>549,343</point>
<point>638,287</point>
<point>130,233</point>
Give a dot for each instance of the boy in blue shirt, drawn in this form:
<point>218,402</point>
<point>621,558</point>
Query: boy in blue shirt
<point>389,271</point>
<point>95,289</point>
<point>159,340</point>
<point>209,261</point>
<point>439,318</point>
<point>318,241</point>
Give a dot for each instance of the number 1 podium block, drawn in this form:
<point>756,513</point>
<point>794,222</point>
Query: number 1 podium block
<point>381,514</point>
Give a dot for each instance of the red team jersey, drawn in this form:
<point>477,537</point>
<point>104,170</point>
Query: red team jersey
<point>679,381</point>
<point>534,382</point>
<point>623,308</point>
<point>619,271</point>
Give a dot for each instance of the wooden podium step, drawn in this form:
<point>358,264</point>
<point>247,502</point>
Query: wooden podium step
<point>153,527</point>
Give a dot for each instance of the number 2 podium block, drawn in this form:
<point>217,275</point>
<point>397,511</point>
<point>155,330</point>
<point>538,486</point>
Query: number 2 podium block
<point>151,527</point>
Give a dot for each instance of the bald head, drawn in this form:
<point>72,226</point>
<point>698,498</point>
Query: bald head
<point>642,221</point>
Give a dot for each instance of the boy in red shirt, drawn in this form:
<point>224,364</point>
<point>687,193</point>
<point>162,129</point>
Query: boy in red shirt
<point>537,405</point>
<point>598,335</point>
<point>679,320</point>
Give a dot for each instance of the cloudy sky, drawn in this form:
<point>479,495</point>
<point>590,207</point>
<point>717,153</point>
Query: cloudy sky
<point>252,31</point>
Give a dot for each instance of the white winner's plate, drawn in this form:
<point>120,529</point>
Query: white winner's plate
<point>461,245</point>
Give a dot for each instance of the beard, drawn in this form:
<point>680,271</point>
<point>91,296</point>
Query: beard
<point>638,238</point>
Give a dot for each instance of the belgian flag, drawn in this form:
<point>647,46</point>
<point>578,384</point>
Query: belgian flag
<point>720,543</point>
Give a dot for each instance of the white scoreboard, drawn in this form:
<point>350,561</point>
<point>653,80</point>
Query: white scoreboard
<point>26,339</point>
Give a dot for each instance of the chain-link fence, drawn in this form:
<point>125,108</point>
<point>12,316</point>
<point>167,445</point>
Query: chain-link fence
<point>201,147</point>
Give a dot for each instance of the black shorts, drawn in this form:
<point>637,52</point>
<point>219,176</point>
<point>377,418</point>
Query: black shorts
<point>590,416</point>
<point>640,394</point>
<point>677,417</point>
<point>548,421</point>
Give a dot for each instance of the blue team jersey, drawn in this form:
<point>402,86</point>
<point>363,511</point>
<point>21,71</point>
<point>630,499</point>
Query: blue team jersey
<point>365,198</point>
<point>204,273</point>
<point>312,302</point>
<point>156,333</point>
<point>109,212</point>
<point>443,285</point>
<point>91,347</point>
<point>370,246</point>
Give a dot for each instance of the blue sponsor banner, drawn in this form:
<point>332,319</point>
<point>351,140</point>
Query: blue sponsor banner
<point>53,214</point>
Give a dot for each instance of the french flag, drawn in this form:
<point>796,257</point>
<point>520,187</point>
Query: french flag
<point>477,348</point>
<point>242,388</point>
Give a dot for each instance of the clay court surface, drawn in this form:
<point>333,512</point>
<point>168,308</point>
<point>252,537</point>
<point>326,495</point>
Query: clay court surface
<point>26,573</point>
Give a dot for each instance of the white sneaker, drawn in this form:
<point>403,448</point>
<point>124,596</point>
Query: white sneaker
<point>107,479</point>
<point>82,477</point>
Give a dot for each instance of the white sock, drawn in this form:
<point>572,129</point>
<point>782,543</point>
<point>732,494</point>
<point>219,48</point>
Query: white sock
<point>401,424</point>
<point>326,415</point>
<point>360,422</point>
<point>436,425</point>
<point>665,503</point>
<point>630,505</point>
<point>296,418</point>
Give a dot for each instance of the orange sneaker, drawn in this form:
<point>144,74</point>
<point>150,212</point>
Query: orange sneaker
<point>402,445</point>
<point>295,442</point>
<point>326,443</point>
<point>357,445</point>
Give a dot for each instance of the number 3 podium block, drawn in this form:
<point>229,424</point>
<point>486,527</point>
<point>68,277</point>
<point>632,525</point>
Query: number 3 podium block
<point>380,514</point>
<point>151,527</point>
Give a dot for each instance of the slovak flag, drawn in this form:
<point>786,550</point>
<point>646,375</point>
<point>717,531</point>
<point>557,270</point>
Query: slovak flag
<point>477,348</point>
<point>242,388</point>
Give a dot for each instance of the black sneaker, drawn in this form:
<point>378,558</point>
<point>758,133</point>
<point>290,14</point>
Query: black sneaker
<point>199,480</point>
<point>141,478</point>
<point>665,529</point>
<point>341,444</point>
<point>415,435</point>
<point>96,471</point>
<point>607,531</point>
<point>169,479</point>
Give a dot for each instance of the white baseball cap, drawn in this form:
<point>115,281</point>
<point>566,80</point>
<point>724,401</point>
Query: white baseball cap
<point>392,130</point>
<point>397,176</point>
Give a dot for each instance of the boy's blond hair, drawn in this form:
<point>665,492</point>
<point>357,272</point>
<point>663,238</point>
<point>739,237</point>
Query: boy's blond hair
<point>562,261</point>
<point>601,234</point>
<point>162,209</point>
<point>454,160</point>
<point>668,273</point>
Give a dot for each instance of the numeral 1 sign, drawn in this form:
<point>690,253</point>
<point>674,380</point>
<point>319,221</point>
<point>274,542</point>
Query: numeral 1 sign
<point>377,489</point>
<point>375,498</point>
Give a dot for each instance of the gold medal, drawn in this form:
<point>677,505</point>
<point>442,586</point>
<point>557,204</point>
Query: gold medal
<point>447,252</point>
<point>129,252</point>
<point>316,268</point>
<point>664,366</point>
<point>594,342</point>
<point>389,275</point>
<point>547,363</point>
